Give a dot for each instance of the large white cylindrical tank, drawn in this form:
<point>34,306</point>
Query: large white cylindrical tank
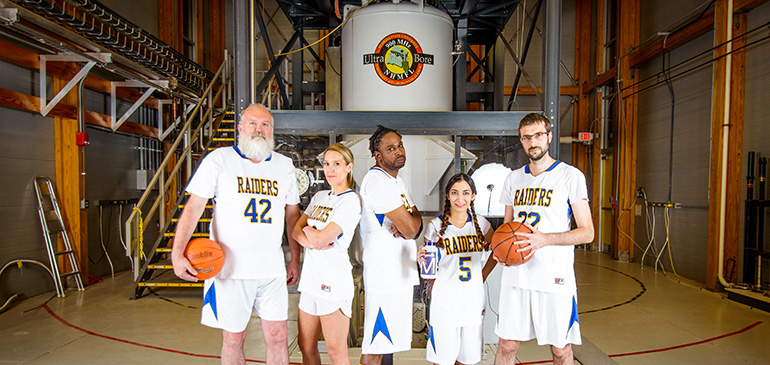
<point>397,57</point>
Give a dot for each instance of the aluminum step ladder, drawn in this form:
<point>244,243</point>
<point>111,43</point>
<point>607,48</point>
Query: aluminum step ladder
<point>53,226</point>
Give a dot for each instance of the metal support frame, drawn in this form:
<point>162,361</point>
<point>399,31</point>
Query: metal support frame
<point>274,66</point>
<point>271,57</point>
<point>480,65</point>
<point>498,97</point>
<point>297,76</point>
<point>312,52</point>
<point>551,71</point>
<point>488,123</point>
<point>46,107</point>
<point>242,60</point>
<point>524,54</point>
<point>114,99</point>
<point>458,154</point>
<point>163,133</point>
<point>521,71</point>
<point>460,70</point>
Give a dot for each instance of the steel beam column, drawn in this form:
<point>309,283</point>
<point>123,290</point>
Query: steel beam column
<point>551,70</point>
<point>460,65</point>
<point>242,56</point>
<point>271,57</point>
<point>297,61</point>
<point>524,53</point>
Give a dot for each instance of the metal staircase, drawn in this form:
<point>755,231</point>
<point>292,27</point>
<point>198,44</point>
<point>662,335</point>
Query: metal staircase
<point>207,127</point>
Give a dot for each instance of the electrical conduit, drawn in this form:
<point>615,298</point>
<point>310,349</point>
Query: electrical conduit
<point>725,140</point>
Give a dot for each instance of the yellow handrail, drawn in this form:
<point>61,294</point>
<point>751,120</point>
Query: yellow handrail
<point>134,230</point>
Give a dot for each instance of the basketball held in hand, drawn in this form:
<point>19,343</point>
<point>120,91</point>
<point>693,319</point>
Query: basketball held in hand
<point>505,243</point>
<point>205,256</point>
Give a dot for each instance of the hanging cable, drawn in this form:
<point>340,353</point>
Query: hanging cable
<point>705,52</point>
<point>101,241</point>
<point>327,35</point>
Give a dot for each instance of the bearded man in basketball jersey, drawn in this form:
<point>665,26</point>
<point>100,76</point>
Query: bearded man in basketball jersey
<point>389,224</point>
<point>538,299</point>
<point>255,192</point>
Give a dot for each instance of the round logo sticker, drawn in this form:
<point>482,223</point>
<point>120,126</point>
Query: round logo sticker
<point>398,59</point>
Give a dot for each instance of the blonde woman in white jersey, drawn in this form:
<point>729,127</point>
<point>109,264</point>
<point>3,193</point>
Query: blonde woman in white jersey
<point>325,230</point>
<point>457,297</point>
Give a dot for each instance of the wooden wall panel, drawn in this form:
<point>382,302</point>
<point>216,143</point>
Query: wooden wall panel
<point>625,133</point>
<point>68,183</point>
<point>217,34</point>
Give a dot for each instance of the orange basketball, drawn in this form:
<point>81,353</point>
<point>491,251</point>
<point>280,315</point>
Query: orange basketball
<point>205,256</point>
<point>504,243</point>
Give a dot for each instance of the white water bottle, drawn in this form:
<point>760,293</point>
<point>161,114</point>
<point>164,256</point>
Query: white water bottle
<point>429,267</point>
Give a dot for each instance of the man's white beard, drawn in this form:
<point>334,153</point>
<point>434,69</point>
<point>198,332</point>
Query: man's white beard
<point>254,147</point>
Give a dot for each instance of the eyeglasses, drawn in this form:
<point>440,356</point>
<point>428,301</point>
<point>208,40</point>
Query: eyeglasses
<point>527,138</point>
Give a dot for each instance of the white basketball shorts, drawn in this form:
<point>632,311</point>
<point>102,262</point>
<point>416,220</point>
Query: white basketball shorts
<point>449,344</point>
<point>387,322</point>
<point>229,303</point>
<point>550,317</point>
<point>316,306</point>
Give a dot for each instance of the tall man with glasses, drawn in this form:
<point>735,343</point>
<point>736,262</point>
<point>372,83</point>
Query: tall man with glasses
<point>538,299</point>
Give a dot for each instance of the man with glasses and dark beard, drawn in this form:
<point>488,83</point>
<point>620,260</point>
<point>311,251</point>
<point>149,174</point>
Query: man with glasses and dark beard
<point>538,299</point>
<point>255,192</point>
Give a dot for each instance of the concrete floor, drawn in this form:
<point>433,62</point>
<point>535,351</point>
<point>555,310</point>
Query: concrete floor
<point>634,315</point>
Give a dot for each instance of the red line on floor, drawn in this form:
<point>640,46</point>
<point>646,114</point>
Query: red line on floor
<point>757,323</point>
<point>62,320</point>
<point>665,348</point>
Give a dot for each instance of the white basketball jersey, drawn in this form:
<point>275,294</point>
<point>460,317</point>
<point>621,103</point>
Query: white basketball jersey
<point>543,201</point>
<point>457,298</point>
<point>390,263</point>
<point>249,203</point>
<point>327,273</point>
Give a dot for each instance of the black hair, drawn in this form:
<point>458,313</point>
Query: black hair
<point>448,208</point>
<point>376,138</point>
<point>533,118</point>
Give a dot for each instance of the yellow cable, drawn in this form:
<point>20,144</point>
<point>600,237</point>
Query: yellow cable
<point>141,233</point>
<point>326,36</point>
<point>670,258</point>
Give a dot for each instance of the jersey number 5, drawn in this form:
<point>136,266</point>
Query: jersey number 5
<point>466,271</point>
<point>253,212</point>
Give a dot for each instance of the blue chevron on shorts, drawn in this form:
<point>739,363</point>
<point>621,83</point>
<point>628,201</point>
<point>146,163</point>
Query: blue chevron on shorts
<point>573,318</point>
<point>381,326</point>
<point>211,299</point>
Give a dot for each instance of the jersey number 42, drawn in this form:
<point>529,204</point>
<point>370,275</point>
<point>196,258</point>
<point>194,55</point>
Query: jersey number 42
<point>253,211</point>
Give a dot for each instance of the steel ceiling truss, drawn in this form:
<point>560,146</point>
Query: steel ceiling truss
<point>97,23</point>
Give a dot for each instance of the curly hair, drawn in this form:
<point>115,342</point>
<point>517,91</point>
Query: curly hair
<point>448,208</point>
<point>376,138</point>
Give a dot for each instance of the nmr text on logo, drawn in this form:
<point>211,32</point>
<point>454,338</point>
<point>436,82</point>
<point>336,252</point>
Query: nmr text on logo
<point>398,59</point>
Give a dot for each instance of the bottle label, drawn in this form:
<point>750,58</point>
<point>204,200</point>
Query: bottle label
<point>430,265</point>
